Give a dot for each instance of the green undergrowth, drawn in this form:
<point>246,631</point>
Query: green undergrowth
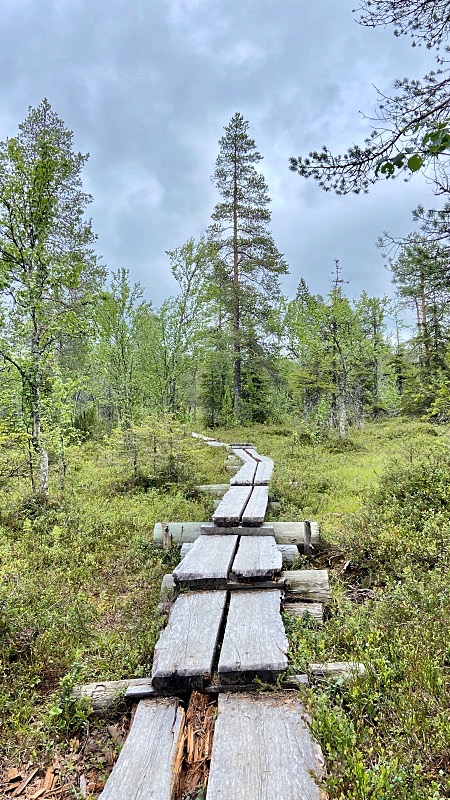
<point>80,577</point>
<point>382,498</point>
<point>79,588</point>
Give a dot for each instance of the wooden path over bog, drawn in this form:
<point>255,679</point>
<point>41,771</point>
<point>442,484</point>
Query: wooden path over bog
<point>224,637</point>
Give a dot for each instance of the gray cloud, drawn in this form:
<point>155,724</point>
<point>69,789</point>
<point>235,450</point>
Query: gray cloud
<point>147,86</point>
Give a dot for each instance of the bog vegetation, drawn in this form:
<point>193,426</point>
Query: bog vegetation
<point>100,391</point>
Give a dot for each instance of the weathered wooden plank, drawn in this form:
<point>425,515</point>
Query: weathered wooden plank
<point>264,472</point>
<point>264,467</point>
<point>254,643</point>
<point>245,475</point>
<point>256,507</point>
<point>284,532</point>
<point>289,552</point>
<point>257,558</point>
<point>185,650</point>
<point>144,768</point>
<point>230,508</point>
<point>243,454</point>
<point>307,584</point>
<point>262,749</point>
<point>208,563</point>
<point>313,610</point>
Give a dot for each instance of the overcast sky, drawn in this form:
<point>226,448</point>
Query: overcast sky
<point>147,87</point>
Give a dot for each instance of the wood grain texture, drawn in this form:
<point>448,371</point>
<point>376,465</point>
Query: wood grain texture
<point>258,558</point>
<point>185,650</point>
<point>255,510</point>
<point>307,584</point>
<point>289,552</point>
<point>207,563</point>
<point>264,469</point>
<point>241,452</point>
<point>230,508</point>
<point>144,768</point>
<point>262,749</point>
<point>313,610</point>
<point>254,643</point>
<point>105,694</point>
<point>245,475</point>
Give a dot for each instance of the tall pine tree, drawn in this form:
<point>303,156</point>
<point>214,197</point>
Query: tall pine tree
<point>248,265</point>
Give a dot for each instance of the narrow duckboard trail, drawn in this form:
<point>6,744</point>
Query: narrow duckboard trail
<point>224,630</point>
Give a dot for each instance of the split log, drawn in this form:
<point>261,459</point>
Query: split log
<point>307,584</point>
<point>218,489</point>
<point>334,671</point>
<point>105,694</point>
<point>313,610</point>
<point>231,506</point>
<point>284,532</point>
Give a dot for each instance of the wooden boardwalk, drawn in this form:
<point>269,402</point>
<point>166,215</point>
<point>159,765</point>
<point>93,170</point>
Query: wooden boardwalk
<point>224,631</point>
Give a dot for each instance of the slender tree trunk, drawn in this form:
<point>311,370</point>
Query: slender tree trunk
<point>236,304</point>
<point>35,397</point>
<point>425,330</point>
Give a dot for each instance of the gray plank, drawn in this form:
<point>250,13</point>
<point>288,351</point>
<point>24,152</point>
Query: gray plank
<point>257,557</point>
<point>144,768</point>
<point>256,507</point>
<point>264,467</point>
<point>262,749</point>
<point>185,650</point>
<point>264,471</point>
<point>254,643</point>
<point>245,475</point>
<point>230,508</point>
<point>207,563</point>
<point>289,552</point>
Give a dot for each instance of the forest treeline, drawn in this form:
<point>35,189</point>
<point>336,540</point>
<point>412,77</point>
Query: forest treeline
<point>83,353</point>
